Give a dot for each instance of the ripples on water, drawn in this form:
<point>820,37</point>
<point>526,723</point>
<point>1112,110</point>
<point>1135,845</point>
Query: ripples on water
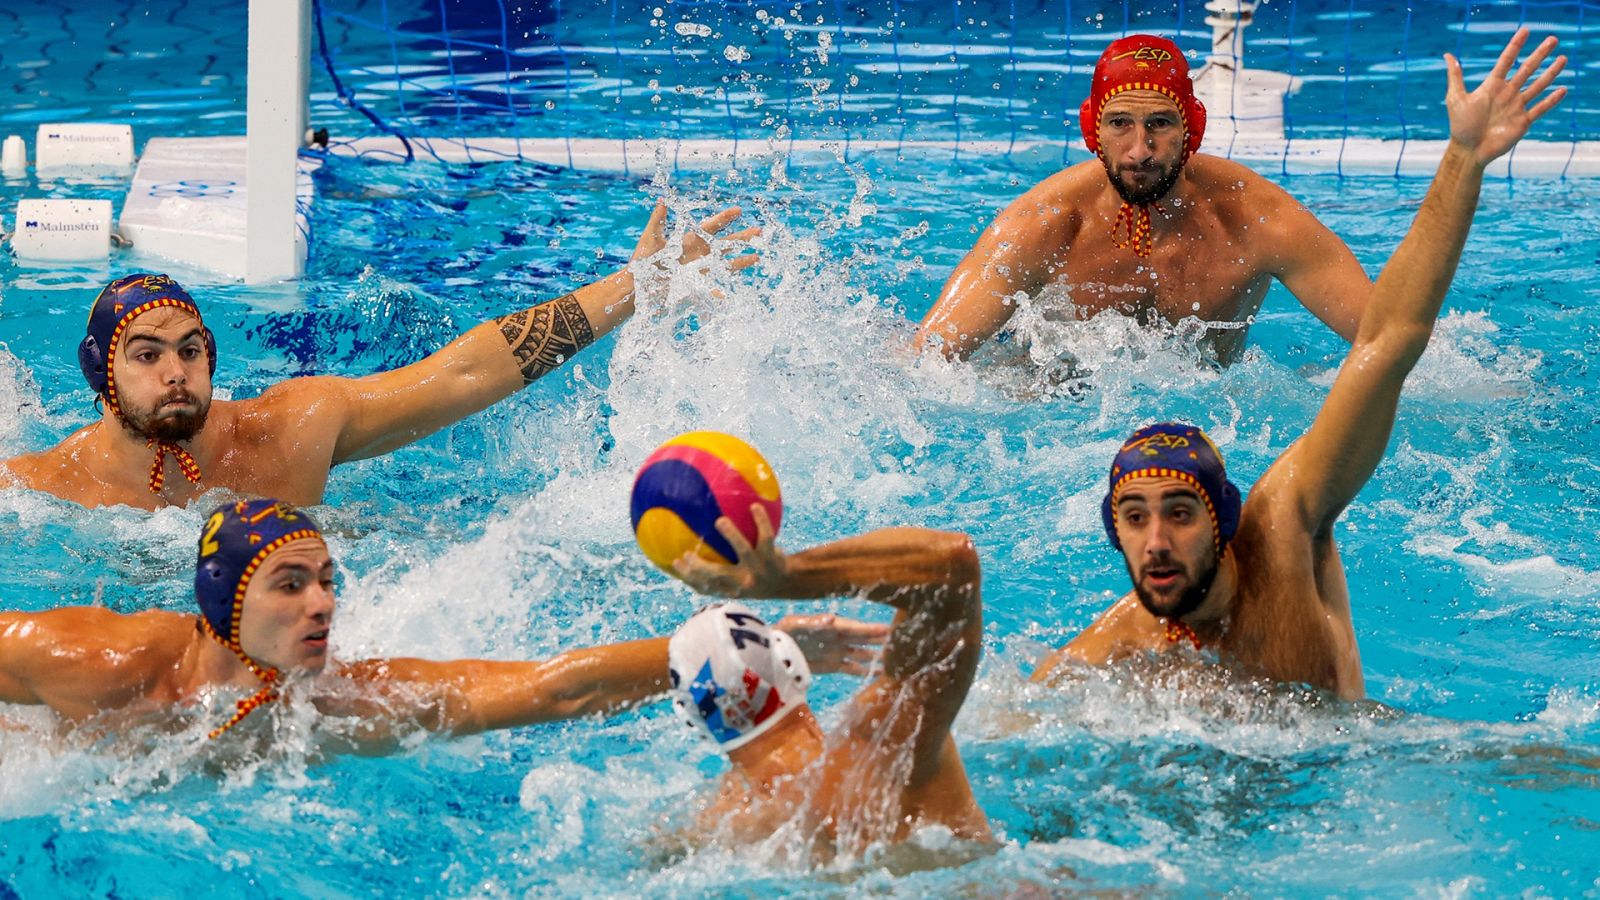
<point>1472,769</point>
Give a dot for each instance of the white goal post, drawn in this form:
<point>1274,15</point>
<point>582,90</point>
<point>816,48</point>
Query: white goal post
<point>277,87</point>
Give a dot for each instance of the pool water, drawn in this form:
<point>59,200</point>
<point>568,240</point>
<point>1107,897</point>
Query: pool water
<point>1474,769</point>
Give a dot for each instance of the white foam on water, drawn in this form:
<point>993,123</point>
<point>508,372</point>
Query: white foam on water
<point>1540,580</point>
<point>1566,709</point>
<point>20,404</point>
<point>1112,352</point>
<point>1179,698</point>
<point>1466,362</point>
<point>1463,523</point>
<point>796,360</point>
<point>138,754</point>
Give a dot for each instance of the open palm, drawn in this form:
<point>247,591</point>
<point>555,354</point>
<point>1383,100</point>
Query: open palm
<point>697,242</point>
<point>1488,120</point>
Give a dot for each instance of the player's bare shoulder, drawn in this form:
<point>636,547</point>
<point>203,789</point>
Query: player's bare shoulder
<point>89,643</point>
<point>1277,541</point>
<point>1056,206</point>
<point>1124,628</point>
<point>1241,196</point>
<point>289,408</point>
<point>1127,628</point>
<point>61,470</point>
<point>1224,178</point>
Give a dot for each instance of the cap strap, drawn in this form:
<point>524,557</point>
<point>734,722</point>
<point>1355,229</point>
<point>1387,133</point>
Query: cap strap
<point>1178,630</point>
<point>267,694</point>
<point>268,676</point>
<point>1135,218</point>
<point>158,473</point>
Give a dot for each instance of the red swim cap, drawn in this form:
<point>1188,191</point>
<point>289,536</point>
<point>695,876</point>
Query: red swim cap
<point>1143,62</point>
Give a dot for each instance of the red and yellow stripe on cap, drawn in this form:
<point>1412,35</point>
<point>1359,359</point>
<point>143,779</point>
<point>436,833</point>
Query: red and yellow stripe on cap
<point>1180,475</point>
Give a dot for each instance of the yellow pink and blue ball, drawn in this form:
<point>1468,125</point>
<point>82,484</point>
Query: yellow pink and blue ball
<point>691,481</point>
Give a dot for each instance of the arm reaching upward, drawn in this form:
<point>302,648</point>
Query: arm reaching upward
<point>1325,469</point>
<point>931,577</point>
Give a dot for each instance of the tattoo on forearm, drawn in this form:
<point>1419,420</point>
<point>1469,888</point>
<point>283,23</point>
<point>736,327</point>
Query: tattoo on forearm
<point>547,335</point>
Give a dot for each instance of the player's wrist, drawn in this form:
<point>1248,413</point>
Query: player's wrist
<point>1461,155</point>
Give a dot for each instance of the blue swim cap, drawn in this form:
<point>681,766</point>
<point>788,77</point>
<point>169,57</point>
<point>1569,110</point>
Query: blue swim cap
<point>1175,450</point>
<point>119,303</point>
<point>237,539</point>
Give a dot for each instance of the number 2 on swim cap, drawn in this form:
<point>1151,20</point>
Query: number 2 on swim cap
<point>209,546</point>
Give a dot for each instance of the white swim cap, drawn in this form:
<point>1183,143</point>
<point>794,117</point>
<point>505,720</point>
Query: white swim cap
<point>733,676</point>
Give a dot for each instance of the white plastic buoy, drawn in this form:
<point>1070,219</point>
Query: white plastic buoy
<point>60,145</point>
<point>14,156</point>
<point>62,229</point>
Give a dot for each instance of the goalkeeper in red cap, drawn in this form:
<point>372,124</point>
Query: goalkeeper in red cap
<point>1153,229</point>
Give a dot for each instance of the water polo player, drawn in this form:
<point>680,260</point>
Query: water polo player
<point>264,585</point>
<point>1151,228</point>
<point>891,766</point>
<point>161,439</point>
<point>1261,582</point>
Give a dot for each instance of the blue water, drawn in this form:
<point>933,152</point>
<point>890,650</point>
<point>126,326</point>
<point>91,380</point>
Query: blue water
<point>1473,770</point>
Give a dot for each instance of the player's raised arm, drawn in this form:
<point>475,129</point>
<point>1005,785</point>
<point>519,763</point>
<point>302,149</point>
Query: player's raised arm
<point>497,358</point>
<point>931,577</point>
<point>1339,453</point>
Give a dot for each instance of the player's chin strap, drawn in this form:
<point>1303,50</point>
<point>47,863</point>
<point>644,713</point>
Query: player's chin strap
<point>158,473</point>
<point>1178,630</point>
<point>269,684</point>
<point>1135,219</point>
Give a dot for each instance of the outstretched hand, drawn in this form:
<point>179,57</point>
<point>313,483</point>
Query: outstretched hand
<point>698,242</point>
<point>759,571</point>
<point>1493,117</point>
<point>834,643</point>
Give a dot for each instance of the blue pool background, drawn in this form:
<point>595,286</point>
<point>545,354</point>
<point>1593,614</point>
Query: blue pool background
<point>1473,770</point>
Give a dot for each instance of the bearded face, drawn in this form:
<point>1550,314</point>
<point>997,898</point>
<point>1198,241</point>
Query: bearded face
<point>1143,182</point>
<point>1168,541</point>
<point>1193,588</point>
<point>177,415</point>
<point>162,376</point>
<point>1141,140</point>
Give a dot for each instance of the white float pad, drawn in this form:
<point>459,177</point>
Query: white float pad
<point>88,144</point>
<point>62,229</point>
<point>187,202</point>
